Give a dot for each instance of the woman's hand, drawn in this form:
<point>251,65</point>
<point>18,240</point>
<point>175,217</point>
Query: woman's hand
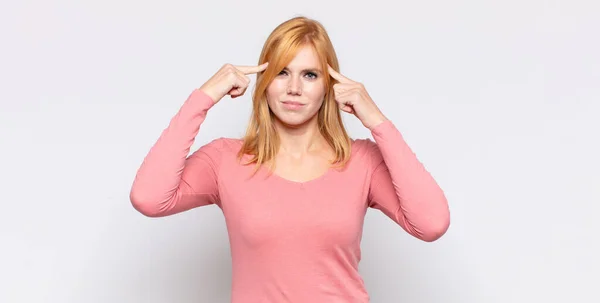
<point>352,97</point>
<point>230,80</point>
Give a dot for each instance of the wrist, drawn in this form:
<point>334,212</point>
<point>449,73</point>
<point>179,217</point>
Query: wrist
<point>209,94</point>
<point>376,120</point>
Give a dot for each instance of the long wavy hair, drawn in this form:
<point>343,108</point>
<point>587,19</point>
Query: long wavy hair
<point>261,140</point>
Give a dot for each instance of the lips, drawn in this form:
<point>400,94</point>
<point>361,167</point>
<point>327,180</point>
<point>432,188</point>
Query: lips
<point>293,103</point>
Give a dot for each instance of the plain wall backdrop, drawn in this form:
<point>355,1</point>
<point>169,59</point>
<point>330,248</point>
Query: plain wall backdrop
<point>499,99</point>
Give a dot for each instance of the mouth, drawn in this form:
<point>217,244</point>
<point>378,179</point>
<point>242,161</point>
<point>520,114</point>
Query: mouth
<point>292,104</point>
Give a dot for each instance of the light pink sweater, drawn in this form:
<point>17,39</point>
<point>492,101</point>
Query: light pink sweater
<point>290,241</point>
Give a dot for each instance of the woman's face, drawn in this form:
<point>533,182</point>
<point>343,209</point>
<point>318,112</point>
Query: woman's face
<point>296,94</point>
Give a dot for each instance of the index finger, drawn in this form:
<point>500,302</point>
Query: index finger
<point>337,76</point>
<point>252,69</point>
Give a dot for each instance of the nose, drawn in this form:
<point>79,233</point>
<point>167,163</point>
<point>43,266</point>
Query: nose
<point>294,86</point>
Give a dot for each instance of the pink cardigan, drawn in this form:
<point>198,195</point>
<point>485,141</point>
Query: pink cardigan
<point>290,241</point>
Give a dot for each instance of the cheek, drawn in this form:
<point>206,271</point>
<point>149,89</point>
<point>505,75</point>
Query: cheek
<point>276,88</point>
<point>274,92</point>
<point>316,92</point>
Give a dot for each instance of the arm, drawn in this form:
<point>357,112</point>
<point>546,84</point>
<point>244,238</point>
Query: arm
<point>403,189</point>
<point>169,182</point>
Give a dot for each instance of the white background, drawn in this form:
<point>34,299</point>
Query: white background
<point>499,99</point>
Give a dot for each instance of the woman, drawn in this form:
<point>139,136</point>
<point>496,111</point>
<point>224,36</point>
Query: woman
<point>295,189</point>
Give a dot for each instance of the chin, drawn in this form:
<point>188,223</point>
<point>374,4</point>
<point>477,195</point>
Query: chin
<point>293,121</point>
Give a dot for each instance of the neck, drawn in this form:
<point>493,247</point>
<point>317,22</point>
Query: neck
<point>300,139</point>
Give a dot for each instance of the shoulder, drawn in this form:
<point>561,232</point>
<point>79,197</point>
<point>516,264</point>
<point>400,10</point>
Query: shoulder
<point>366,150</point>
<point>223,145</point>
<point>364,147</point>
<point>216,149</point>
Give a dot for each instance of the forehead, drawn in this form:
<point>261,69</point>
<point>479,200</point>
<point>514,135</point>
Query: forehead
<point>306,57</point>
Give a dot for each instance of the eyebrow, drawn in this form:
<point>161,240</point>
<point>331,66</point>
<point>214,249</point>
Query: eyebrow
<point>317,70</point>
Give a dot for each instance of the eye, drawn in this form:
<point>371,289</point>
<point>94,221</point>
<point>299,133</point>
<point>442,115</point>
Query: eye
<point>312,75</point>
